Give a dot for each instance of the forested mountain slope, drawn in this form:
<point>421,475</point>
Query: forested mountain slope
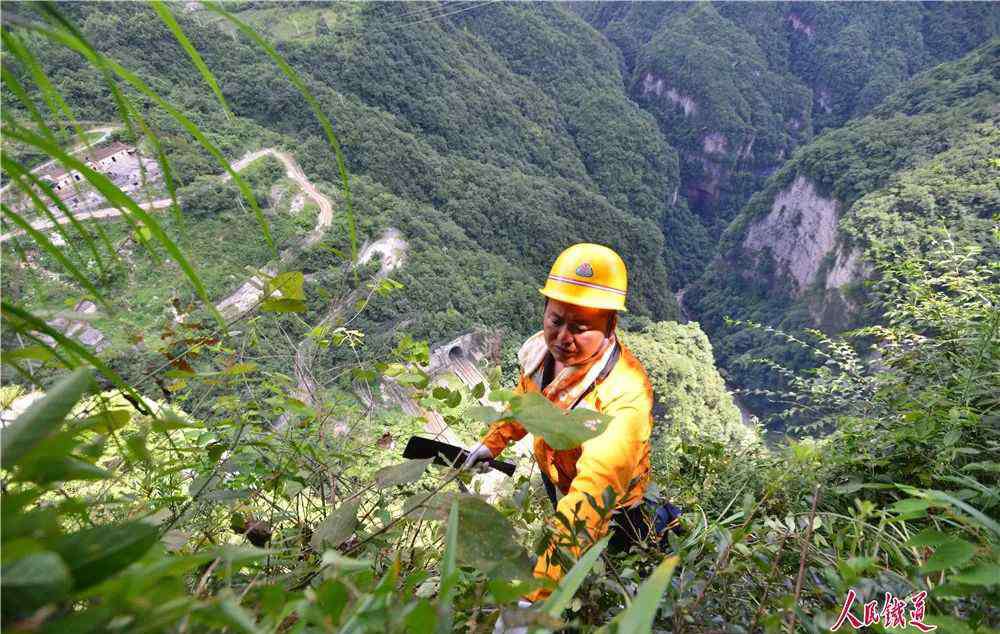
<point>920,170</point>
<point>205,405</point>
<point>736,87</point>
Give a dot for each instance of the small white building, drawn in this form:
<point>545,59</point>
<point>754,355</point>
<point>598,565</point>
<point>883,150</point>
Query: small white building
<point>102,160</point>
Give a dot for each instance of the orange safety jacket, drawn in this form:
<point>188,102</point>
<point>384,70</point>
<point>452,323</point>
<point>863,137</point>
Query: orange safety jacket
<point>617,457</point>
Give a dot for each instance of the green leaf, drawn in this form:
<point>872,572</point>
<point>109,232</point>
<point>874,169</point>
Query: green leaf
<point>947,624</point>
<point>421,617</point>
<point>415,378</point>
<point>168,420</point>
<point>107,421</point>
<point>984,574</point>
<point>402,473</point>
<point>928,537</point>
<point>449,571</point>
<point>911,507</point>
<point>31,353</point>
<point>348,564</point>
<point>561,429</point>
<point>638,617</point>
<point>487,542</point>
<point>94,554</point>
<point>486,414</point>
<point>43,417</point>
<point>337,527</point>
<point>282,305</point>
<point>238,617</point>
<point>950,554</point>
<point>288,284</point>
<point>440,393</point>
<point>47,469</point>
<point>241,368</point>
<point>561,597</point>
<point>34,580</point>
<point>479,390</point>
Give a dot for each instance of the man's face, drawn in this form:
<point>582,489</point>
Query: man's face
<point>574,333</point>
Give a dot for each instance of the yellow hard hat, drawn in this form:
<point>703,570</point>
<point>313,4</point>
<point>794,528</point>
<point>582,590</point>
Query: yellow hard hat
<point>588,275</point>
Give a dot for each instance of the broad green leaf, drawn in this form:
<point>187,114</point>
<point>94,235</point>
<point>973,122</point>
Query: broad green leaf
<point>32,353</point>
<point>402,473</point>
<point>340,562</point>
<point>107,421</point>
<point>337,527</point>
<point>432,507</point>
<point>94,554</point>
<point>282,305</point>
<point>947,624</point>
<point>486,414</point>
<point>950,554</point>
<point>479,390</point>
<point>928,537</point>
<point>43,417</point>
<point>34,580</point>
<point>241,368</point>
<point>561,429</point>
<point>47,469</point>
<point>487,542</point>
<point>421,617</point>
<point>911,507</point>
<point>984,574</point>
<point>238,617</point>
<point>638,617</point>
<point>167,420</point>
<point>561,597</point>
<point>289,284</point>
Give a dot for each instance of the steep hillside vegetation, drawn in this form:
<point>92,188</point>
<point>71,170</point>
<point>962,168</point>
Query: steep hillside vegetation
<point>920,170</point>
<point>735,86</point>
<point>205,405</point>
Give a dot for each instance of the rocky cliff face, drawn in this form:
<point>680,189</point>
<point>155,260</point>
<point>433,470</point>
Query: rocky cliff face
<point>797,247</point>
<point>798,233</point>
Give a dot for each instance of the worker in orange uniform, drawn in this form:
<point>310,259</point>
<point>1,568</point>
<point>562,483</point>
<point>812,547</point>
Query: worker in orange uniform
<point>576,361</point>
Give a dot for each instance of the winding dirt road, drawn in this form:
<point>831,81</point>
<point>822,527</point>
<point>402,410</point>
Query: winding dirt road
<point>247,295</point>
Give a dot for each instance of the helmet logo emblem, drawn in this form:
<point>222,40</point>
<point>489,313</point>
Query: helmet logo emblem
<point>585,270</point>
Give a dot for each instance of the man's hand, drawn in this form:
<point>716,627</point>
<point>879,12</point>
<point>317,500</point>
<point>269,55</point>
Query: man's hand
<point>502,628</point>
<point>477,456</point>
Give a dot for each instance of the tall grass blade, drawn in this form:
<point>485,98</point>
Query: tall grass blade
<point>639,616</point>
<point>168,19</point>
<point>53,98</point>
<point>21,174</point>
<point>75,41</point>
<point>46,245</point>
<point>449,572</point>
<point>561,597</point>
<point>8,79</point>
<point>118,198</point>
<point>27,324</point>
<point>324,121</point>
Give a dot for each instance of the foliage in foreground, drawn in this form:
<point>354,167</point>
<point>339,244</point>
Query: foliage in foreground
<point>239,505</point>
